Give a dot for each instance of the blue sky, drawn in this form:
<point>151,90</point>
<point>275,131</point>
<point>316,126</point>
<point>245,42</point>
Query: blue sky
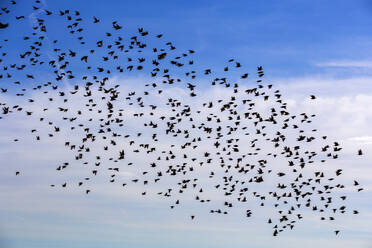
<point>306,47</point>
<point>288,37</point>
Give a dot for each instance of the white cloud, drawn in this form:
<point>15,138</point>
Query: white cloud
<point>362,139</point>
<point>346,64</point>
<point>344,116</point>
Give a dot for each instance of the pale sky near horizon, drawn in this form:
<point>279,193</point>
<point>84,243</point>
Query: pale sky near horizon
<point>320,48</point>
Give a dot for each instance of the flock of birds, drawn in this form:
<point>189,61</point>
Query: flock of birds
<point>226,137</point>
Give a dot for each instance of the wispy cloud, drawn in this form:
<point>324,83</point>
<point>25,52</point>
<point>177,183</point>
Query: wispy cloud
<point>347,116</point>
<point>346,64</point>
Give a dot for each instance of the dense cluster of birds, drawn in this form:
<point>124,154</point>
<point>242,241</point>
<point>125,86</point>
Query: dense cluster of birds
<point>238,141</point>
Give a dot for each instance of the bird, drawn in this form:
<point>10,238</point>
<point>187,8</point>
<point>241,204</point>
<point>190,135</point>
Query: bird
<point>3,25</point>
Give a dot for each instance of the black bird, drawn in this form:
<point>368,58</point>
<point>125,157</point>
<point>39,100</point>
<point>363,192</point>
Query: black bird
<point>4,25</point>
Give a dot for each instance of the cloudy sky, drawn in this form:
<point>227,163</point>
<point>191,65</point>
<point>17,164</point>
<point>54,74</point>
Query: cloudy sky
<point>306,48</point>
